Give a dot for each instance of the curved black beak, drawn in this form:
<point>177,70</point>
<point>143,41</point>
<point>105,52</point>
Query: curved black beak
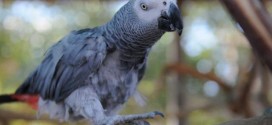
<point>171,20</point>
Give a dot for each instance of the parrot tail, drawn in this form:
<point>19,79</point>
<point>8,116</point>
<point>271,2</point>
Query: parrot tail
<point>31,100</point>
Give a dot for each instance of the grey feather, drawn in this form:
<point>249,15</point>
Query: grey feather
<point>91,73</point>
<point>66,66</point>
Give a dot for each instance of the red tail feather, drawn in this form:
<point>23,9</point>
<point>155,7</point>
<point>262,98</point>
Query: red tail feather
<point>31,100</point>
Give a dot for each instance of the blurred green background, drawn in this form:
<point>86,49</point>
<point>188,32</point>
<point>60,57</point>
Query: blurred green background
<point>211,44</point>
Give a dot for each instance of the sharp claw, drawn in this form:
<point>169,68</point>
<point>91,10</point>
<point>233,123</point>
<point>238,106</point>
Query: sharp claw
<point>159,113</point>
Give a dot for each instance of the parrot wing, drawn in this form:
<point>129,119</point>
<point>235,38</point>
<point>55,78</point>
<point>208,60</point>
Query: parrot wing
<point>67,66</point>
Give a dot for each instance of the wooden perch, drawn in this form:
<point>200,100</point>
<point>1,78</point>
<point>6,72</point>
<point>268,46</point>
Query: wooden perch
<point>252,121</point>
<point>265,119</point>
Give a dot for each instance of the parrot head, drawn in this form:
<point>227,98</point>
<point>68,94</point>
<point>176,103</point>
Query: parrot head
<point>164,14</point>
<point>146,18</point>
<point>138,25</point>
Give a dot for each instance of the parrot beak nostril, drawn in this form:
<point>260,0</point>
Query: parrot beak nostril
<point>164,15</point>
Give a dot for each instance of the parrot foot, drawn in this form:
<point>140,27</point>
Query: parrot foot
<point>135,119</point>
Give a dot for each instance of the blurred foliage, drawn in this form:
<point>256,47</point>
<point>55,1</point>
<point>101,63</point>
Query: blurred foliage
<point>210,41</point>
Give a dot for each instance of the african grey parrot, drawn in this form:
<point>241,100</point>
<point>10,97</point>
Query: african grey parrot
<point>92,72</point>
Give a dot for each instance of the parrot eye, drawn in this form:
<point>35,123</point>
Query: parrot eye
<point>143,6</point>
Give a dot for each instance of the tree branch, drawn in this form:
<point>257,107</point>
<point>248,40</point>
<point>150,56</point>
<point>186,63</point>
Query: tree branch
<point>183,69</point>
<point>256,23</point>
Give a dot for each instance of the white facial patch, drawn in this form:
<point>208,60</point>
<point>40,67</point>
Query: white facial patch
<point>154,9</point>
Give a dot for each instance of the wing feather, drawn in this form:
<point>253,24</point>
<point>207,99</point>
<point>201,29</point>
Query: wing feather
<point>66,67</point>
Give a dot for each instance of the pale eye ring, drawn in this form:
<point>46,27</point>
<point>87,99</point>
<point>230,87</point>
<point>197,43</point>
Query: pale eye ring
<point>144,6</point>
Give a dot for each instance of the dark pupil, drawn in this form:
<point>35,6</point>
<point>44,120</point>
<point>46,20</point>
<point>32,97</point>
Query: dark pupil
<point>144,7</point>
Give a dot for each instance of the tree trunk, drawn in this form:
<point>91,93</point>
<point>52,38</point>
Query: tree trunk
<point>176,90</point>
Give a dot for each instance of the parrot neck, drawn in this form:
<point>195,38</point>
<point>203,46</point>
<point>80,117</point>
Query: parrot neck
<point>133,45</point>
<point>131,36</point>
